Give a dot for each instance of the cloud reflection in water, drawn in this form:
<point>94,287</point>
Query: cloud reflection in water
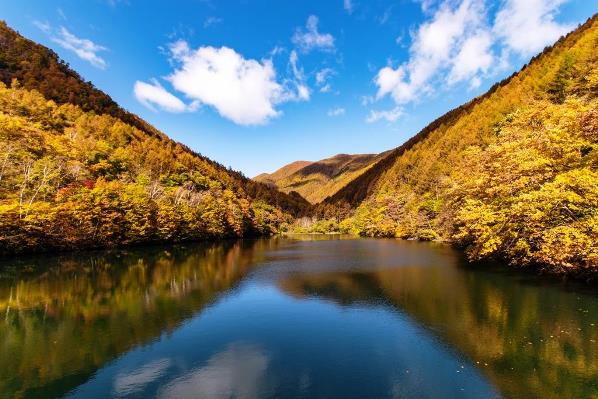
<point>236,372</point>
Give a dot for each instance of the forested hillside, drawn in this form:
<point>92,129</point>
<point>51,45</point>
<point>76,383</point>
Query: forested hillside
<point>318,180</point>
<point>511,174</point>
<point>78,171</point>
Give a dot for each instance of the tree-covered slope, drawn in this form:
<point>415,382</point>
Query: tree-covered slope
<point>512,173</point>
<point>78,171</point>
<point>318,180</point>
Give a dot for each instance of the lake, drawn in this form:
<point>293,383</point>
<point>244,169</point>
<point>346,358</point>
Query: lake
<point>308,317</point>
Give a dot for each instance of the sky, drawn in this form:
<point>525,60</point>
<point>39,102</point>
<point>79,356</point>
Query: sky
<point>257,84</point>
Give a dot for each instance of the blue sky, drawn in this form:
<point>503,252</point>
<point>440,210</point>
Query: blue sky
<point>256,84</point>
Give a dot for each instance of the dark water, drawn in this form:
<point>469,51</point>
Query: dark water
<point>291,318</point>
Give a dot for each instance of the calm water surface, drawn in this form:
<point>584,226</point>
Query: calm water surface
<point>290,318</point>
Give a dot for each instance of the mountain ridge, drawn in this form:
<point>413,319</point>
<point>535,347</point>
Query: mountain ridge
<point>317,180</point>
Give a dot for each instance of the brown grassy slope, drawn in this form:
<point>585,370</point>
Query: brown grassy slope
<point>317,180</point>
<point>282,173</point>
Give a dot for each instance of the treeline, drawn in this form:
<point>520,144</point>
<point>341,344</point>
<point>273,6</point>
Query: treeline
<point>512,174</point>
<point>73,179</point>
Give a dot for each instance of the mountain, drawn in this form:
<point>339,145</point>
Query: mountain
<point>77,170</point>
<point>282,173</point>
<point>318,180</point>
<point>511,174</point>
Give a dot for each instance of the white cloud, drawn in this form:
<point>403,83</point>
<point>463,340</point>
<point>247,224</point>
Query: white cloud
<point>391,115</point>
<point>154,94</point>
<point>84,48</point>
<point>293,59</point>
<point>459,44</point>
<point>367,100</point>
<point>277,50</point>
<point>310,38</point>
<point>427,4</point>
<point>475,83</point>
<point>303,92</point>
<point>348,6</point>
<point>322,77</point>
<point>475,55</point>
<point>450,37</point>
<point>43,26</point>
<point>323,74</point>
<point>526,26</point>
<point>337,111</point>
<point>245,91</point>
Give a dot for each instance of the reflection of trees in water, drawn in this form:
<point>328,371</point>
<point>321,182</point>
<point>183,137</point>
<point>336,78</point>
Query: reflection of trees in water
<point>530,340</point>
<point>62,321</point>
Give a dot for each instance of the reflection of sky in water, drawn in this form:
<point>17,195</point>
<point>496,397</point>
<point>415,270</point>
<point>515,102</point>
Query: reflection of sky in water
<point>130,382</point>
<point>234,373</point>
<point>281,318</point>
<point>275,345</point>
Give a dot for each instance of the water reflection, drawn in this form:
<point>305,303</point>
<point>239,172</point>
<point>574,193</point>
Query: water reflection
<point>234,373</point>
<point>132,382</point>
<point>532,337</point>
<point>291,318</point>
<point>65,316</point>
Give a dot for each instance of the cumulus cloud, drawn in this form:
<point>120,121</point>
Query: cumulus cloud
<point>450,37</point>
<point>309,38</point>
<point>246,91</point>
<point>391,115</point>
<point>153,94</point>
<point>474,55</point>
<point>458,43</point>
<point>84,48</point>
<point>337,111</point>
<point>526,26</point>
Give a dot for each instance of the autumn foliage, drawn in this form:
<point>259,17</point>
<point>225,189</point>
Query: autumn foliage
<point>510,175</point>
<point>73,179</point>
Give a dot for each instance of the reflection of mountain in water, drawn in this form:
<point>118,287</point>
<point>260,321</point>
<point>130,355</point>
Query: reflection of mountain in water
<point>69,316</point>
<point>90,308</point>
<point>530,341</point>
